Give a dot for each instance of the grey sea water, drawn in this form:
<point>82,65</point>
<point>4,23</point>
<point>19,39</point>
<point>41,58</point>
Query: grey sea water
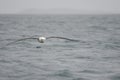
<point>95,57</point>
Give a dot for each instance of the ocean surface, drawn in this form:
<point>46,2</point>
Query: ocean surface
<point>95,57</point>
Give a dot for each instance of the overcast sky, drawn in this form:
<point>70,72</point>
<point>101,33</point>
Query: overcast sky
<point>88,6</point>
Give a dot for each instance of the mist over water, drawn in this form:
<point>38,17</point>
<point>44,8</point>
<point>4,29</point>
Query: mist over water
<point>95,57</point>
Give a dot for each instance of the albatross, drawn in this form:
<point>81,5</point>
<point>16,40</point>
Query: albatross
<point>42,39</point>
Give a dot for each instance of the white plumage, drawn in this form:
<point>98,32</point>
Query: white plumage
<point>41,39</point>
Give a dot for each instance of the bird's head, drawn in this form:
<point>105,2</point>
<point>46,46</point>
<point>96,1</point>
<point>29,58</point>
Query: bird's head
<point>41,39</point>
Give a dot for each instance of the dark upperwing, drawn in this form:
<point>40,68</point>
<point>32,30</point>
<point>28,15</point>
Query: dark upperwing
<point>18,41</point>
<point>62,38</point>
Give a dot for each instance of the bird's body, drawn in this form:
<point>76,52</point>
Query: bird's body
<point>41,39</point>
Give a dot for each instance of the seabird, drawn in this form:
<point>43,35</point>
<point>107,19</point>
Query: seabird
<point>42,39</point>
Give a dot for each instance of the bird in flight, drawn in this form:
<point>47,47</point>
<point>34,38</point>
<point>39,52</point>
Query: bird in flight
<point>42,39</point>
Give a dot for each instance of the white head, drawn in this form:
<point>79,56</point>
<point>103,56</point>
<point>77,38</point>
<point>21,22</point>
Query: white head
<point>41,39</point>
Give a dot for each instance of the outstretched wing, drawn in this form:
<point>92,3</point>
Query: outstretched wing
<point>63,38</point>
<point>19,40</point>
